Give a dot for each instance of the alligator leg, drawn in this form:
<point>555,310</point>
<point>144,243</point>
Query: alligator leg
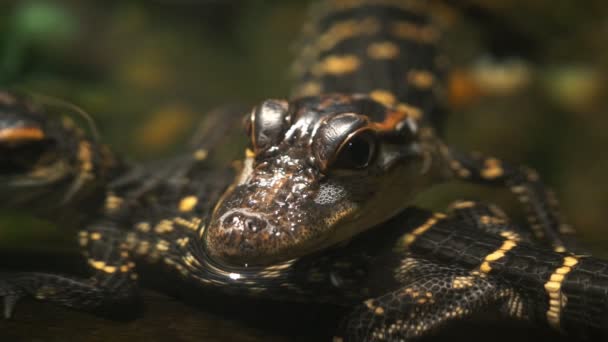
<point>111,284</point>
<point>212,138</point>
<point>540,203</point>
<point>451,266</point>
<point>431,296</point>
<point>488,218</point>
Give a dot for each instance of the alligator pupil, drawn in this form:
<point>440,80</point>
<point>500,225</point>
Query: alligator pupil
<point>356,154</point>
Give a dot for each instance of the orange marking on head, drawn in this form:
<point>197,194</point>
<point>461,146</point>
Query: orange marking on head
<point>21,134</point>
<point>390,122</point>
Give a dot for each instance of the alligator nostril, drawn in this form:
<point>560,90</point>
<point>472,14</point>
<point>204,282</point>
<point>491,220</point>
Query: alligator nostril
<point>244,222</point>
<point>250,224</point>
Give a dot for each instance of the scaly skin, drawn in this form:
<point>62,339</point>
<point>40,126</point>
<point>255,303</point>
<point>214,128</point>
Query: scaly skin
<point>319,207</point>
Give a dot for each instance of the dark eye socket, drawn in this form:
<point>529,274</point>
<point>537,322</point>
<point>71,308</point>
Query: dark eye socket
<point>357,152</point>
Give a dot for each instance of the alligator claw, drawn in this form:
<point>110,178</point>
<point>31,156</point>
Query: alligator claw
<point>10,296</point>
<point>9,305</point>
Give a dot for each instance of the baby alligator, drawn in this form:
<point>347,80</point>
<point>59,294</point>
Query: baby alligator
<point>319,209</point>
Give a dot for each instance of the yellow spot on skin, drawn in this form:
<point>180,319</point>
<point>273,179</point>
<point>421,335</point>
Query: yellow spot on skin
<point>570,261</point>
<point>113,202</point>
<point>511,235</point>
<point>109,269</point>
<point>97,264</point>
<point>187,203</point>
<point>95,236</point>
<point>193,224</point>
<point>383,96</point>
<point>411,237</point>
<point>143,227</point>
<point>462,205</point>
<point>553,288</point>
<point>486,220</point>
<point>85,157</point>
<point>191,261</point>
<point>102,266</point>
<point>498,254</point>
<point>337,65</point>
<point>162,245</point>
<point>421,79</point>
<point>182,242</point>
<point>200,154</point>
<point>492,169</point>
<point>485,267</point>
<point>383,50</point>
<point>462,282</point>
<point>379,311</point>
<point>164,226</point>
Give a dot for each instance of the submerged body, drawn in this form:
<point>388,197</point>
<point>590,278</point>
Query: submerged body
<point>317,210</point>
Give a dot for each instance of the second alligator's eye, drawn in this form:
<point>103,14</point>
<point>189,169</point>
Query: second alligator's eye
<point>356,152</point>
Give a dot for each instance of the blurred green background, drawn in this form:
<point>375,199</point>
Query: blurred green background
<point>528,84</point>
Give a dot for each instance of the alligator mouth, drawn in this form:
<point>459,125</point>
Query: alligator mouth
<point>22,149</point>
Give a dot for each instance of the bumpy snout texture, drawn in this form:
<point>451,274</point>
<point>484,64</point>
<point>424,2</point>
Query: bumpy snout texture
<point>266,218</point>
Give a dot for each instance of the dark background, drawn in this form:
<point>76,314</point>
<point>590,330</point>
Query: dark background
<point>528,85</point>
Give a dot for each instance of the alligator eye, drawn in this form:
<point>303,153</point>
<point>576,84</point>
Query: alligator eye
<point>357,151</point>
